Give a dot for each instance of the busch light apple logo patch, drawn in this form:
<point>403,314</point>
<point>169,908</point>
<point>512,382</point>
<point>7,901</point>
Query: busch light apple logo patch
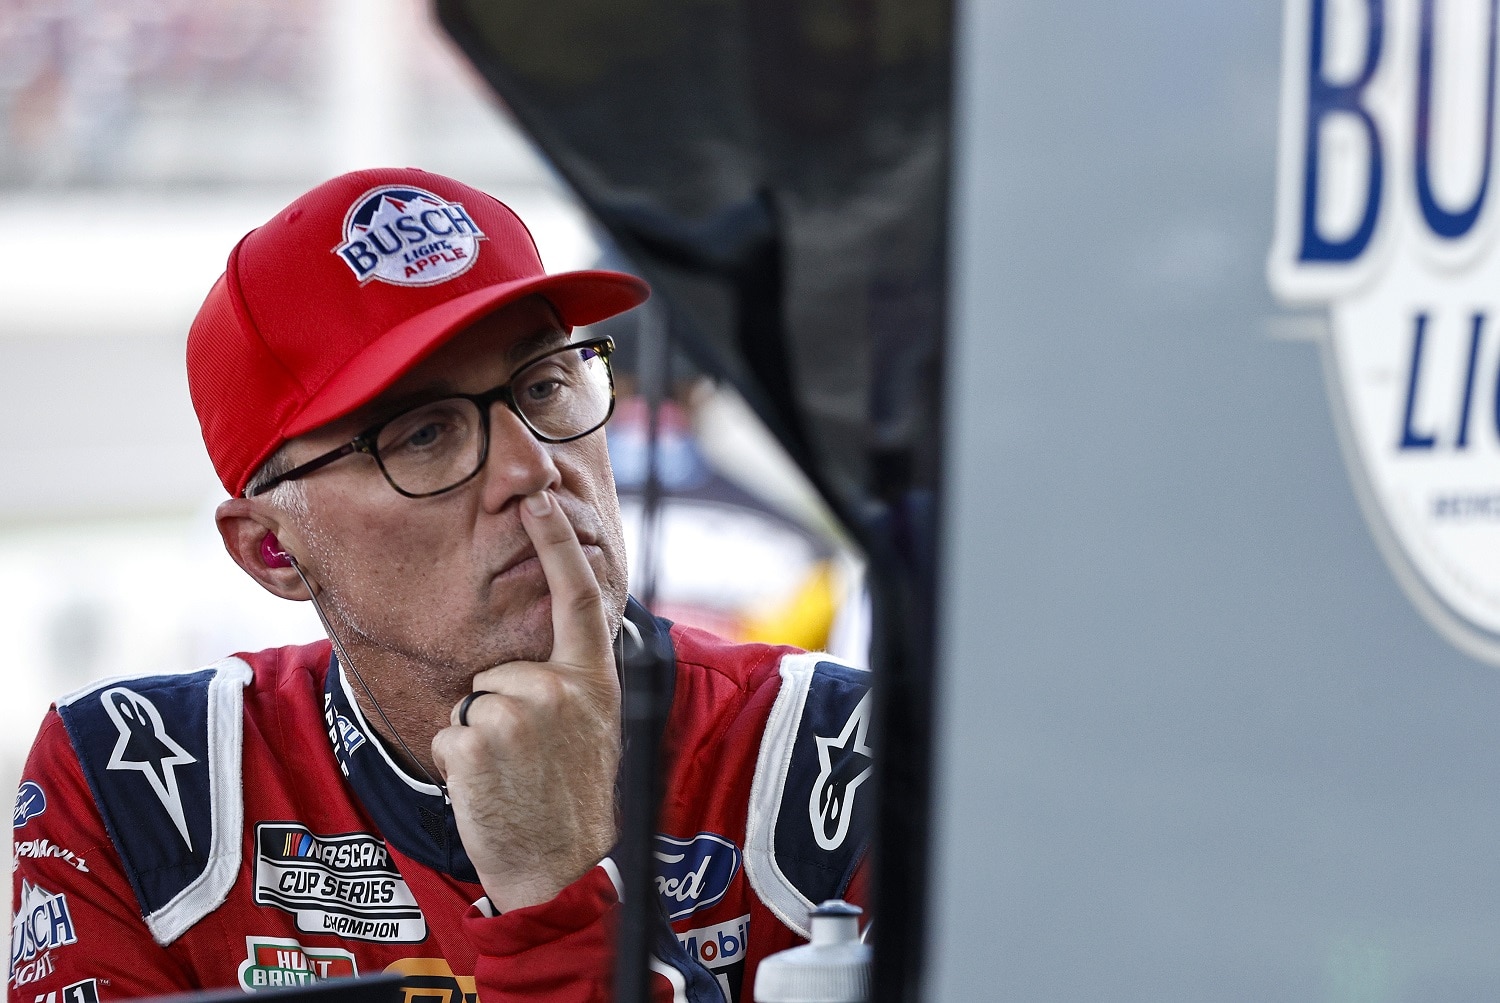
<point>42,924</point>
<point>344,884</point>
<point>693,874</point>
<point>1385,218</point>
<point>408,237</point>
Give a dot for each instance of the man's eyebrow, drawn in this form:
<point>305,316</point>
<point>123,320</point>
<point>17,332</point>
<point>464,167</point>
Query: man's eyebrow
<point>535,344</point>
<point>519,353</point>
<point>390,408</point>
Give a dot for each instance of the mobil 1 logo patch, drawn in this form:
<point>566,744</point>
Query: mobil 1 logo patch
<point>1386,215</point>
<point>408,237</point>
<point>344,884</point>
<point>721,949</point>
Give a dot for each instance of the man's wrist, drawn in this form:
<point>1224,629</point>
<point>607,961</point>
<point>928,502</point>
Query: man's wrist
<point>523,896</point>
<point>506,894</point>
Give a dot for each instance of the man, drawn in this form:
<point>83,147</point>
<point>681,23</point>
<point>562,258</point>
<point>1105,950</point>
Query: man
<point>394,396</point>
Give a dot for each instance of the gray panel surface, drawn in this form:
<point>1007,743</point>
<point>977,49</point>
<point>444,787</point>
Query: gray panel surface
<point>1197,743</point>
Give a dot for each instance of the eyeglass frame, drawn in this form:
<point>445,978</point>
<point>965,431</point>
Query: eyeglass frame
<point>365,441</point>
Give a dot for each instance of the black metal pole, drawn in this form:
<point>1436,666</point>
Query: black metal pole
<point>643,701</point>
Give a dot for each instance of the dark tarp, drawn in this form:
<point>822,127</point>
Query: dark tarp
<point>778,170</point>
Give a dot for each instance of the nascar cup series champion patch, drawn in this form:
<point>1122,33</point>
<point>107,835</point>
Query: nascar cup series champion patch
<point>1386,217</point>
<point>408,237</point>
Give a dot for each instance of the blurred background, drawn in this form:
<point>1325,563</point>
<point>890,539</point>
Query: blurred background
<point>138,141</point>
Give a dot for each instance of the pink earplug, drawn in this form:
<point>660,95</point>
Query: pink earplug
<point>272,554</point>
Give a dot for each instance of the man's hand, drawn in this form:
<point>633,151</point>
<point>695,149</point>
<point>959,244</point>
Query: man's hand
<point>532,775</point>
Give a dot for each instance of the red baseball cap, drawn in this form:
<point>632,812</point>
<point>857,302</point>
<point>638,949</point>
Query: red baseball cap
<point>328,303</point>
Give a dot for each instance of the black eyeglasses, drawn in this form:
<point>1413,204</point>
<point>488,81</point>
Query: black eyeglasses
<point>431,448</point>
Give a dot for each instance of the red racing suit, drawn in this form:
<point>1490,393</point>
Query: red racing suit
<point>243,826</point>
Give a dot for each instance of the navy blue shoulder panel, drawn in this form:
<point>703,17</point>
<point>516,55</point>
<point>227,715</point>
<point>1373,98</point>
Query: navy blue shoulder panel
<point>698,983</point>
<point>811,809</point>
<point>162,757</point>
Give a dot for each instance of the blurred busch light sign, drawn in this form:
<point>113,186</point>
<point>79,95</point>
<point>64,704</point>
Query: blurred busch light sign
<point>1386,215</point>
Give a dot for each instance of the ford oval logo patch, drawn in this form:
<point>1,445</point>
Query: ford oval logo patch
<point>693,874</point>
<point>408,237</point>
<point>30,802</point>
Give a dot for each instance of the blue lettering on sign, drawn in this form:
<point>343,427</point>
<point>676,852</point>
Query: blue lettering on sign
<point>1324,99</point>
<point>1413,438</point>
<point>30,802</point>
<point>1475,335</point>
<point>693,874</point>
<point>1450,225</point>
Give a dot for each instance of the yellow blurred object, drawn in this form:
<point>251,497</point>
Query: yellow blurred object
<point>805,618</point>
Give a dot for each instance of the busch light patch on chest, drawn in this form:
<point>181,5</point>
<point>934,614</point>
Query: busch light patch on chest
<point>41,924</point>
<point>1386,218</point>
<point>693,874</point>
<point>344,884</point>
<point>408,237</point>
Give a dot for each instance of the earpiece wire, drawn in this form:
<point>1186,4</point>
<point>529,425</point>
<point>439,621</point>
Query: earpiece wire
<point>344,659</point>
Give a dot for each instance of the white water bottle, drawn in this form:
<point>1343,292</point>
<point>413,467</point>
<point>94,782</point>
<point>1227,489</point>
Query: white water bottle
<point>833,968</point>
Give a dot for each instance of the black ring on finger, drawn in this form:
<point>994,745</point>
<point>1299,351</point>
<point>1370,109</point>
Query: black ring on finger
<point>467,702</point>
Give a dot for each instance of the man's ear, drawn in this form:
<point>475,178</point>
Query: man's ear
<point>244,526</point>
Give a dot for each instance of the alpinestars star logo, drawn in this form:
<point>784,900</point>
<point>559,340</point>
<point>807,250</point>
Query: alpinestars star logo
<point>145,745</point>
<point>844,763</point>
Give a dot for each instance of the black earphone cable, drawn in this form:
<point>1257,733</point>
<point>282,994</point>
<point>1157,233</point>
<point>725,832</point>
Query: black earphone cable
<point>345,660</point>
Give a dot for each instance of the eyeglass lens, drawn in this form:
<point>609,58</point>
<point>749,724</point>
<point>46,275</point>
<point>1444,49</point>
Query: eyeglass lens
<point>560,396</point>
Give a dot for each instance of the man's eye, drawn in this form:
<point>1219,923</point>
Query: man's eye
<point>423,436</point>
<point>539,390</point>
<point>432,430</point>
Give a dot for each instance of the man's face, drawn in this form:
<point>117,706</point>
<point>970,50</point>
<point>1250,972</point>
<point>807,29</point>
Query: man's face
<point>451,583</point>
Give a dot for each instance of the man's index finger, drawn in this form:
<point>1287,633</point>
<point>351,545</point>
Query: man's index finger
<point>580,634</point>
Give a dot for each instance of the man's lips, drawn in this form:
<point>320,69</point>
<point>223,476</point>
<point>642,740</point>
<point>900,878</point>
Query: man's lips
<point>525,559</point>
<point>525,556</point>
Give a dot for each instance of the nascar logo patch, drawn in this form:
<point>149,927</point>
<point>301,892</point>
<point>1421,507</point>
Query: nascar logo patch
<point>343,884</point>
<point>408,237</point>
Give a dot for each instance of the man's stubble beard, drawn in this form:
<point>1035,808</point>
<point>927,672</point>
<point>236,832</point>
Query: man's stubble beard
<point>411,669</point>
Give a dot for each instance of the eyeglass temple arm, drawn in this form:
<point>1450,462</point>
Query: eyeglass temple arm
<point>354,446</point>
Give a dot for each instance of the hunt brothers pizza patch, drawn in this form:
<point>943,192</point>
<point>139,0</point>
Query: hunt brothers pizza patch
<point>274,962</point>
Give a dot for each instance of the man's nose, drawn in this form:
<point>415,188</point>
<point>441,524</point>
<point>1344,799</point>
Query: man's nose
<point>519,464</point>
